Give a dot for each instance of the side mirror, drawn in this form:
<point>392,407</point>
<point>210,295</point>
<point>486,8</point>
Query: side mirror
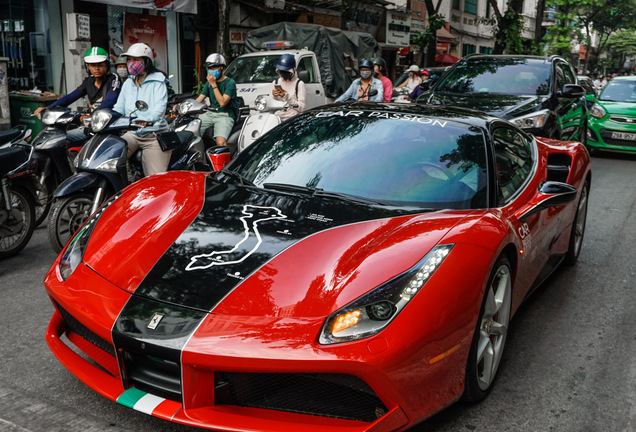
<point>572,91</point>
<point>551,194</point>
<point>303,76</point>
<point>141,105</point>
<point>373,92</point>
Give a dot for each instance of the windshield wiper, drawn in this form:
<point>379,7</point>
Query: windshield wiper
<point>318,192</point>
<point>242,180</point>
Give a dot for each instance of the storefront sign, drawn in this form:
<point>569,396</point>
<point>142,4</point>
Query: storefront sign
<point>185,6</point>
<point>398,28</point>
<point>149,29</point>
<point>79,27</point>
<point>237,35</point>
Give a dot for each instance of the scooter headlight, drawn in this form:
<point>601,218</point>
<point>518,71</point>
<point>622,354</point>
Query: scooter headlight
<point>260,103</point>
<point>74,252</point>
<point>99,120</point>
<point>49,117</point>
<point>372,312</point>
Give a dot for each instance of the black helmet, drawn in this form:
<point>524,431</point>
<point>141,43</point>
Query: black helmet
<point>365,63</point>
<point>286,62</point>
<point>379,61</point>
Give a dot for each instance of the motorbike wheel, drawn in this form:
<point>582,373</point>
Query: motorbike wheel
<point>67,215</point>
<point>45,196</point>
<point>17,225</point>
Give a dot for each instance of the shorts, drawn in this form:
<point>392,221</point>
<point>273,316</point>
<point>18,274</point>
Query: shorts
<point>221,121</point>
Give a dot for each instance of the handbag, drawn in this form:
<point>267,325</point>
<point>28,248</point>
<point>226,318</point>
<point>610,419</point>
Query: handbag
<point>168,140</point>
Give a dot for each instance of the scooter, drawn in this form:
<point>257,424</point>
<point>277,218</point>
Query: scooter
<point>188,113</point>
<point>17,197</point>
<point>18,133</point>
<point>53,154</point>
<point>102,170</point>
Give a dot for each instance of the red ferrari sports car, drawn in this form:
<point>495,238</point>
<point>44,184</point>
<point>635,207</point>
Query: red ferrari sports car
<point>355,269</point>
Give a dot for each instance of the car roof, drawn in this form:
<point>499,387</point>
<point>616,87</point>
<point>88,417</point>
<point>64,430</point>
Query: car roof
<point>534,58</point>
<point>452,113</point>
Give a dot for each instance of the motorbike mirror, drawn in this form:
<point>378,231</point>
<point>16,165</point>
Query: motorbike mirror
<point>373,92</point>
<point>141,105</point>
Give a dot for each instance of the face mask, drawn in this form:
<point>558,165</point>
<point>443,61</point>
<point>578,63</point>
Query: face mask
<point>286,75</point>
<point>136,68</point>
<point>365,74</point>
<point>215,73</point>
<point>123,73</point>
<point>410,74</point>
<point>376,73</point>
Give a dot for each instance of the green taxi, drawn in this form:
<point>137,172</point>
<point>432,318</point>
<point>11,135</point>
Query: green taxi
<point>612,119</point>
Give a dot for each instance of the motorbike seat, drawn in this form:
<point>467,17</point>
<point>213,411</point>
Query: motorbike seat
<point>11,158</point>
<point>11,134</point>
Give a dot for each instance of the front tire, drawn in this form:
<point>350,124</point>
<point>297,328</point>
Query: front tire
<point>17,225</point>
<point>67,215</point>
<point>490,334</point>
<point>578,228</point>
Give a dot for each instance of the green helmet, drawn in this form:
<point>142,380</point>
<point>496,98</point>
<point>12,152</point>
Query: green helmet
<point>95,55</point>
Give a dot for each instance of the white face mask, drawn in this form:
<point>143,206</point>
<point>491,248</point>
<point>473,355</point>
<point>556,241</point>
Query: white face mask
<point>123,73</point>
<point>366,74</point>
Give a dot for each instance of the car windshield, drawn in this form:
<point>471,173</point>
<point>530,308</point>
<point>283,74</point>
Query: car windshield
<point>506,76</point>
<point>397,159</point>
<point>259,69</point>
<point>619,91</point>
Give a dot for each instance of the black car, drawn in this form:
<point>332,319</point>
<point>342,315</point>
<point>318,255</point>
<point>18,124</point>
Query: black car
<point>538,94</point>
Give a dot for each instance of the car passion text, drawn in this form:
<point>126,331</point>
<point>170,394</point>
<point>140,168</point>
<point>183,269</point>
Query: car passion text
<point>386,115</point>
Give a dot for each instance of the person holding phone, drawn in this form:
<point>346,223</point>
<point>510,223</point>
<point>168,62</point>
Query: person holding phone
<point>289,88</point>
<point>221,90</point>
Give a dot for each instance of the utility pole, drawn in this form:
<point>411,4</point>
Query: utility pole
<point>224,28</point>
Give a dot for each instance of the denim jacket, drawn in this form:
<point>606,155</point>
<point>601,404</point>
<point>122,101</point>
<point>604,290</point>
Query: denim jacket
<point>352,91</point>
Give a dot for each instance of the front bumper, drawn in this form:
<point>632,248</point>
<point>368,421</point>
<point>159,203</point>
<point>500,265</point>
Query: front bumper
<point>600,135</point>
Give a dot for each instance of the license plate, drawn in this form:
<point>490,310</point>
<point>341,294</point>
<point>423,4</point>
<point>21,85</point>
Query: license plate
<point>624,136</point>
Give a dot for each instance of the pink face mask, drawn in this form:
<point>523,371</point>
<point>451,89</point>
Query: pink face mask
<point>135,68</point>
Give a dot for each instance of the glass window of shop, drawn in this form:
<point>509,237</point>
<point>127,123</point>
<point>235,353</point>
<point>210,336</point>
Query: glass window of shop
<point>25,43</point>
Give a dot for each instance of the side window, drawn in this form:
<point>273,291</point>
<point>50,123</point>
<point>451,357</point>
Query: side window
<point>306,64</point>
<point>560,77</point>
<point>570,78</point>
<point>514,162</point>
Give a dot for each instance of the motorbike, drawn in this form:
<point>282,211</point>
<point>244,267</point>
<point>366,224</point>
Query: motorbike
<point>103,170</point>
<point>17,197</point>
<point>54,155</point>
<point>400,95</point>
<point>187,119</point>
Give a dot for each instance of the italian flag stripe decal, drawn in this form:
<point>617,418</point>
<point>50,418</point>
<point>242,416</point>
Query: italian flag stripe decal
<point>148,404</point>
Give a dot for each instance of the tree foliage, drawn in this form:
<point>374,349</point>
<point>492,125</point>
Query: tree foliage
<point>507,26</point>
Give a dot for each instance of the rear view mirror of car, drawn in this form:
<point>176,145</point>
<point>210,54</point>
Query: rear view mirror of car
<point>572,91</point>
<point>551,194</point>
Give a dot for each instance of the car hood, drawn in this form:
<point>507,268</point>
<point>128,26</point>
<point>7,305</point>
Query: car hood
<point>501,105</point>
<point>622,108</point>
<point>248,251</point>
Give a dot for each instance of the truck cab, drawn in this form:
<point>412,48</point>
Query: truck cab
<point>254,73</point>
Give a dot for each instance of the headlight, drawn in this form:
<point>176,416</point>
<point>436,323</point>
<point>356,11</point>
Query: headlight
<point>74,252</point>
<point>183,107</point>
<point>99,120</point>
<point>49,117</point>
<point>597,111</point>
<point>532,121</point>
<point>109,166</point>
<point>260,103</point>
<point>373,311</point>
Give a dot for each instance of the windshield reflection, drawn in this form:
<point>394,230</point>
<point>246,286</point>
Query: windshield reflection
<point>261,69</point>
<point>619,91</point>
<point>508,76</point>
<point>409,161</point>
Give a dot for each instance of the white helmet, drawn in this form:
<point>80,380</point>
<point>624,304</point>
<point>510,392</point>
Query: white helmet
<point>215,59</point>
<point>139,50</point>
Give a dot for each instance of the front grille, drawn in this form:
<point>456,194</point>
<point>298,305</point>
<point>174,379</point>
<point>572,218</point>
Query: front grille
<point>328,395</point>
<point>623,119</point>
<point>607,138</point>
<point>154,375</point>
<point>81,330</point>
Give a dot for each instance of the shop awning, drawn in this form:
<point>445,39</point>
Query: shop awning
<point>184,6</point>
<point>444,35</point>
<point>445,59</point>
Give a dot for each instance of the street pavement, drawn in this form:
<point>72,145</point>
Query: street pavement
<point>569,365</point>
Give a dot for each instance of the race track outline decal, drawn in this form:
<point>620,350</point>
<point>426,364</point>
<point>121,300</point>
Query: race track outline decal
<point>253,215</point>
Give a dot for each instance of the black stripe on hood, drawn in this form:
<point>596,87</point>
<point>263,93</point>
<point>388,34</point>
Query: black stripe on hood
<point>239,230</point>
